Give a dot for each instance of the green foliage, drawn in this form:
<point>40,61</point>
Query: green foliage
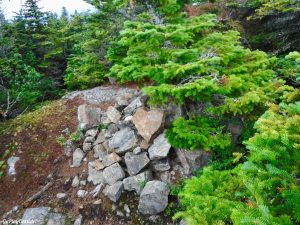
<point>289,68</point>
<point>199,132</point>
<point>61,140</point>
<point>267,7</point>
<point>262,190</point>
<point>77,135</point>
<point>195,60</point>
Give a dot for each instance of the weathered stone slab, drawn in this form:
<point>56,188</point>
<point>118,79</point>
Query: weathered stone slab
<point>136,183</point>
<point>192,160</point>
<point>154,198</point>
<point>113,173</point>
<point>88,116</point>
<point>135,163</point>
<point>123,140</point>
<point>160,148</point>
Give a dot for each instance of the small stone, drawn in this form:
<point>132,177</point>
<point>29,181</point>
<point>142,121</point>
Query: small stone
<point>113,207</point>
<point>92,132</point>
<point>137,150</point>
<point>154,198</point>
<point>82,193</point>
<point>94,176</point>
<point>135,163</point>
<point>160,165</point>
<point>114,192</point>
<point>99,152</point>
<point>78,156</point>
<point>61,195</point>
<point>11,162</point>
<point>113,114</point>
<point>136,103</point>
<point>96,192</point>
<point>97,202</point>
<point>137,183</point>
<point>160,148</point>
<point>126,208</point>
<point>66,131</point>
<point>69,148</point>
<point>87,147</point>
<point>100,139</point>
<point>97,165</point>
<point>113,173</point>
<point>75,182</point>
<point>89,139</point>
<point>123,140</point>
<point>122,100</point>
<point>148,123</point>
<point>111,159</point>
<point>119,213</point>
<point>154,218</point>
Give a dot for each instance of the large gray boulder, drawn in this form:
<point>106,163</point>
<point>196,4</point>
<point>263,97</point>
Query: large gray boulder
<point>154,198</point>
<point>95,176</point>
<point>160,148</point>
<point>148,123</point>
<point>38,215</point>
<point>78,156</point>
<point>113,173</point>
<point>114,192</point>
<point>137,183</point>
<point>88,116</point>
<point>135,163</point>
<point>192,160</point>
<point>123,140</point>
<point>100,95</point>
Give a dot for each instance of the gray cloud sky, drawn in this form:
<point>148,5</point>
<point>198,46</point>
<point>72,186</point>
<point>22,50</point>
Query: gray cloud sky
<point>11,6</point>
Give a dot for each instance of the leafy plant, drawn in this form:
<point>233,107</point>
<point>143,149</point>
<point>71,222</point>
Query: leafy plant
<point>262,190</point>
<point>77,135</point>
<point>61,140</point>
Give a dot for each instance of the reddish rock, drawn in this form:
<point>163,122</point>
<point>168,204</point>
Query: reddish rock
<point>148,123</point>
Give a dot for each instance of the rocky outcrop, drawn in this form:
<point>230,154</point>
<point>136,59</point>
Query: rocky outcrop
<point>130,153</point>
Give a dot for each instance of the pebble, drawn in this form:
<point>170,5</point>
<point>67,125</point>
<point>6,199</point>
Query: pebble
<point>61,195</point>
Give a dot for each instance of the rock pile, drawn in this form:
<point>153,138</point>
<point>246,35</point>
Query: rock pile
<point>130,152</point>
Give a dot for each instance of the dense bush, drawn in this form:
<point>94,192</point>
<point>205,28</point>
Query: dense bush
<point>264,189</point>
